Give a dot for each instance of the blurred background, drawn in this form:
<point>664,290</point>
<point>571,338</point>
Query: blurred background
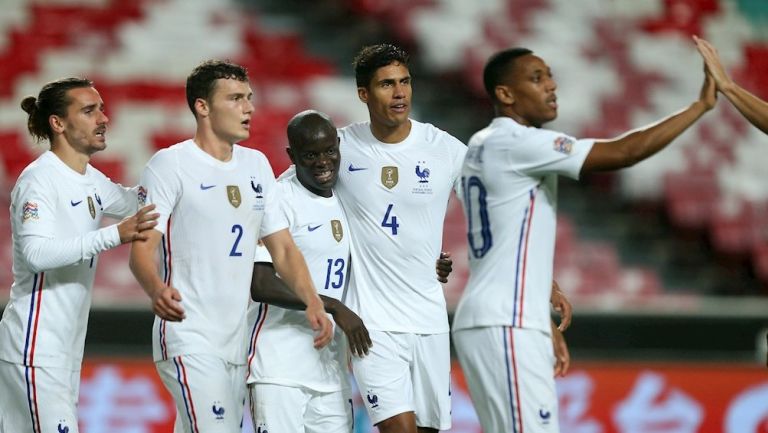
<point>666,263</point>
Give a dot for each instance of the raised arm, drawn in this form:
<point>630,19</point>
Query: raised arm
<point>754,109</point>
<point>166,300</point>
<point>290,264</point>
<point>639,144</point>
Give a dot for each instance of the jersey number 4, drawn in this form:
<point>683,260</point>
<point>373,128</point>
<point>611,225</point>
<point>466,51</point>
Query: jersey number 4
<point>476,206</point>
<point>390,220</point>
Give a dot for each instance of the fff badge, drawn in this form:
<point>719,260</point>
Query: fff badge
<point>233,194</point>
<point>338,232</point>
<point>389,176</point>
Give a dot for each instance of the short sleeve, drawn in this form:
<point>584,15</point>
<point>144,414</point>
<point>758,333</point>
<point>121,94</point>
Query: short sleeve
<point>541,152</point>
<point>262,255</point>
<point>160,186</point>
<point>274,215</point>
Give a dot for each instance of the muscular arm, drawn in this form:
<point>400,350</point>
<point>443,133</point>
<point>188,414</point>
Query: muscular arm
<point>754,109</point>
<point>267,287</point>
<point>639,144</point>
<point>166,300</point>
<point>290,264</point>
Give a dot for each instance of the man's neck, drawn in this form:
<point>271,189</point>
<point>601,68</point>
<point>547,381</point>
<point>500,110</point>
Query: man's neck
<point>213,145</point>
<point>70,157</point>
<point>391,134</point>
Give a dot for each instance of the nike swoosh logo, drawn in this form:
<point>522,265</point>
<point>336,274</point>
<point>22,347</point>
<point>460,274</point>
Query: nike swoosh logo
<point>204,187</point>
<point>75,203</point>
<point>352,168</point>
<point>310,228</point>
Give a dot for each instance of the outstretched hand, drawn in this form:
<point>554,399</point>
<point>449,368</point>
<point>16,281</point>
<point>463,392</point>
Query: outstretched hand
<point>133,228</point>
<point>712,61</point>
<point>444,267</point>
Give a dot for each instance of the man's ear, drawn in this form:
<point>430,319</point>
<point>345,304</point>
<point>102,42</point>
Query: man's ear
<point>56,123</point>
<point>201,107</point>
<point>362,94</point>
<point>504,94</point>
<point>290,155</point>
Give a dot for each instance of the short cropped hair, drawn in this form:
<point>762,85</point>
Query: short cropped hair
<point>52,100</point>
<point>202,80</point>
<point>373,57</point>
<point>498,67</point>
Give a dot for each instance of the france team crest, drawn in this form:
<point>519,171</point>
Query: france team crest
<point>338,231</point>
<point>233,195</point>
<point>389,176</point>
<point>422,172</point>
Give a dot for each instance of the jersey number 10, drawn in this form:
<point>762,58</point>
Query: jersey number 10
<point>476,208</point>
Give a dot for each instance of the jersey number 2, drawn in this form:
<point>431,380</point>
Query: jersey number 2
<point>238,229</point>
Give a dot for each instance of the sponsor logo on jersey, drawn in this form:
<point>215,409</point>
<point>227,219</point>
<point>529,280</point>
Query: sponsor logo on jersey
<point>62,427</point>
<point>206,187</point>
<point>29,212</point>
<point>142,193</point>
<point>563,145</point>
<point>218,411</point>
<point>389,176</point>
<point>91,207</point>
<point>262,428</point>
<point>353,169</point>
<point>75,203</point>
<point>233,195</point>
<point>98,200</point>
<point>338,231</point>
<point>311,229</point>
<point>422,172</point>
<point>373,399</point>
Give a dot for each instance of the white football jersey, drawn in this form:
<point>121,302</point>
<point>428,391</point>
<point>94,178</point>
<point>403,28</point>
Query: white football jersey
<point>55,218</point>
<point>212,214</point>
<point>509,183</point>
<point>396,196</point>
<point>281,348</point>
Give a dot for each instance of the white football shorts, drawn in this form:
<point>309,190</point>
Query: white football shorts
<point>209,393</point>
<point>283,408</point>
<point>406,372</point>
<point>38,399</point>
<point>510,375</point>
